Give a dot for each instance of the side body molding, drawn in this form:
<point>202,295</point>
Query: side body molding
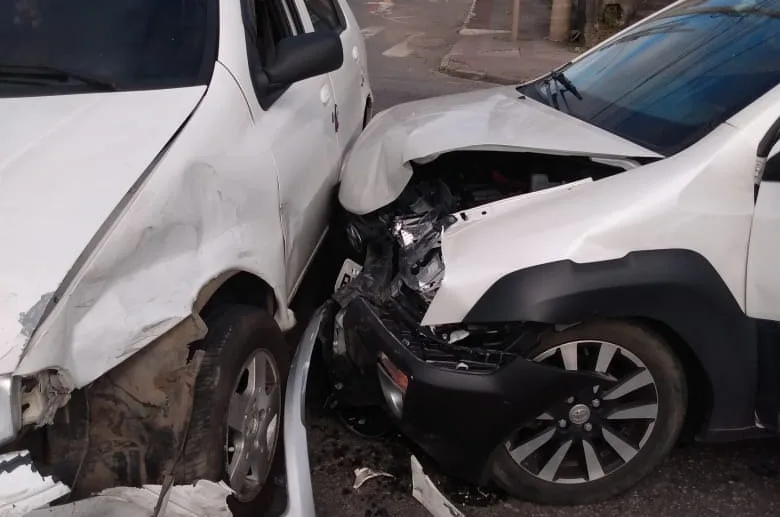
<point>676,287</point>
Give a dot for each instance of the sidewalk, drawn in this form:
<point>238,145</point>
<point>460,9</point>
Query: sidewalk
<point>485,52</point>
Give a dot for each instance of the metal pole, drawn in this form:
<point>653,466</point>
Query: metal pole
<point>515,19</point>
<point>560,21</point>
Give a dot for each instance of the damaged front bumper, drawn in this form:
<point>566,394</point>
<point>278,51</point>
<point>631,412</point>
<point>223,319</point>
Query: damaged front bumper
<point>459,417</point>
<point>23,489</point>
<point>458,390</point>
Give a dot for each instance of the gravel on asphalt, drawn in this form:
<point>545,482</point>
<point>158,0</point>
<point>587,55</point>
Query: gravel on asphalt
<point>713,480</point>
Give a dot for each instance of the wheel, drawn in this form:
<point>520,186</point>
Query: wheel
<point>601,442</point>
<point>236,424</point>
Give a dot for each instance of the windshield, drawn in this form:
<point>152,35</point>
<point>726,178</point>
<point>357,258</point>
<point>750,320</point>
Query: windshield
<point>67,46</point>
<point>666,83</point>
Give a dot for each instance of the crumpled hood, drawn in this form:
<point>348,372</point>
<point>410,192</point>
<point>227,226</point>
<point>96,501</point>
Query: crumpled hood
<point>378,167</point>
<point>66,161</point>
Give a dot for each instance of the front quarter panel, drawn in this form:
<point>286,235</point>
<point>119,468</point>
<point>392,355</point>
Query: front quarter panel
<point>667,242</point>
<point>700,199</point>
<point>209,206</point>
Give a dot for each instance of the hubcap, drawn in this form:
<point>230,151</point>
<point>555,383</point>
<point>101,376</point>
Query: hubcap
<point>579,414</point>
<point>252,425</point>
<point>598,431</point>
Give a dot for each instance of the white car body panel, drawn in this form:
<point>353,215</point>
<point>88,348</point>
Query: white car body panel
<point>204,498</point>
<point>213,204</point>
<point>59,184</point>
<point>345,87</point>
<point>195,216</point>
<point>763,282</point>
<point>23,488</point>
<point>120,207</point>
<point>379,165</point>
<point>667,204</point>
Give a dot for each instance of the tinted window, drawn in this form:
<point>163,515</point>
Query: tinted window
<point>666,83</point>
<point>270,23</point>
<point>129,43</point>
<point>324,14</point>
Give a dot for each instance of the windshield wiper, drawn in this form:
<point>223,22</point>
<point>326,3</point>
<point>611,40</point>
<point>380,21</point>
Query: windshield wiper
<point>560,78</point>
<point>551,97</point>
<point>50,72</point>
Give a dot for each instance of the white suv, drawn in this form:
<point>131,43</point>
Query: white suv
<point>167,170</point>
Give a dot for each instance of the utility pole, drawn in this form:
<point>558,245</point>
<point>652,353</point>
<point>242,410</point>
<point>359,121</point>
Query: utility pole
<point>560,21</point>
<point>515,19</point>
<point>591,21</point>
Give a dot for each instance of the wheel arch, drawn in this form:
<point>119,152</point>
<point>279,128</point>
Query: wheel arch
<point>162,376</point>
<point>700,388</point>
<point>676,291</point>
<point>235,286</point>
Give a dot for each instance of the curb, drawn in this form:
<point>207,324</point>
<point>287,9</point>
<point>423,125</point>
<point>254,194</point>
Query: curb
<point>469,16</point>
<point>481,32</point>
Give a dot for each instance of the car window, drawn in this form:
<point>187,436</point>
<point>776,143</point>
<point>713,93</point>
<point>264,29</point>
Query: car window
<point>324,14</point>
<point>269,24</point>
<point>666,83</point>
<point>293,18</point>
<point>131,44</point>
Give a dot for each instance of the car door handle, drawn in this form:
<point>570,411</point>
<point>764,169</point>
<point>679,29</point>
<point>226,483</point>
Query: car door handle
<point>325,94</point>
<point>355,54</point>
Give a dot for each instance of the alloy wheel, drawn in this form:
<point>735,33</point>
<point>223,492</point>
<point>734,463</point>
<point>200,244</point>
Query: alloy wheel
<point>253,424</point>
<point>596,433</point>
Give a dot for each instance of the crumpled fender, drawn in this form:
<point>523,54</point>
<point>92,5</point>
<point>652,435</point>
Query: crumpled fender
<point>380,163</point>
<point>194,217</point>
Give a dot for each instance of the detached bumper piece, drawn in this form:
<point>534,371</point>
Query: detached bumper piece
<point>459,417</point>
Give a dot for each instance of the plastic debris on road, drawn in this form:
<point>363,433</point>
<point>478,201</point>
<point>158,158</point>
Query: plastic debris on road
<point>22,487</point>
<point>426,492</point>
<point>202,499</point>
<point>364,474</point>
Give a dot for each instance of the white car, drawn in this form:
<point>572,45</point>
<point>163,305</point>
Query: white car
<point>167,172</point>
<point>558,277</point>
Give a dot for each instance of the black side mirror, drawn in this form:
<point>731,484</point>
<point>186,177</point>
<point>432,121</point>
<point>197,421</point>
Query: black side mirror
<point>303,56</point>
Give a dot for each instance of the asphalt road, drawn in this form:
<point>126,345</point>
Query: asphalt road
<point>406,40</point>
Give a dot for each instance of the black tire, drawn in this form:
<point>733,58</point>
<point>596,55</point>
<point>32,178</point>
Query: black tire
<point>669,377</point>
<point>235,333</point>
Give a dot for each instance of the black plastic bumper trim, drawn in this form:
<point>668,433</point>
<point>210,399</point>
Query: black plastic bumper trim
<point>460,418</point>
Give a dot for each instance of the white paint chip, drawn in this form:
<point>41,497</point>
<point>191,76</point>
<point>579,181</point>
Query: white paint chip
<point>363,474</point>
<point>22,488</point>
<point>429,496</point>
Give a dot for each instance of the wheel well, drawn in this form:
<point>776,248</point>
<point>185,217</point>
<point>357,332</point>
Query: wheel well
<point>700,393</point>
<point>240,288</point>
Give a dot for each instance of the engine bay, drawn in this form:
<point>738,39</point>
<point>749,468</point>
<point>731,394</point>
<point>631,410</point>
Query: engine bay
<point>400,246</point>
